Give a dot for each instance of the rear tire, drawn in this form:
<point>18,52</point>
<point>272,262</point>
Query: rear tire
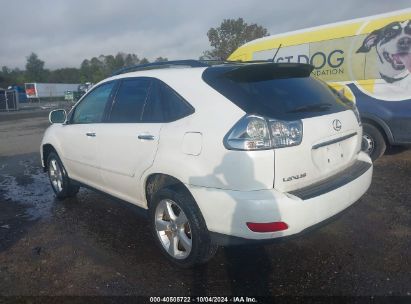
<point>179,229</point>
<point>62,186</point>
<point>373,142</point>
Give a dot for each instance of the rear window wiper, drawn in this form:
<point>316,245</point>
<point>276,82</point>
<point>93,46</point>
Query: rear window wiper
<point>311,107</point>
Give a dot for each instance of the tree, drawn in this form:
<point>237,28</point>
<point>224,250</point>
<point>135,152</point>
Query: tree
<point>11,77</point>
<point>109,64</point>
<point>131,59</point>
<point>161,59</point>
<point>5,70</point>
<point>119,60</point>
<point>64,75</point>
<point>231,34</point>
<point>35,71</point>
<point>97,69</point>
<point>91,70</point>
<point>144,61</point>
<point>4,77</point>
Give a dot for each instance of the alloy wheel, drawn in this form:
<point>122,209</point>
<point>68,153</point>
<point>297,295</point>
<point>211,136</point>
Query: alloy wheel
<point>173,229</point>
<point>367,144</point>
<point>56,175</point>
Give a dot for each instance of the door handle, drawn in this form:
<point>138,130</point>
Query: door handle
<point>91,134</point>
<point>146,137</point>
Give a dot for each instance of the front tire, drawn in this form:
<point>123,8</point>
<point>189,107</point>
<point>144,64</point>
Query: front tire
<point>373,142</point>
<point>62,186</point>
<point>179,228</point>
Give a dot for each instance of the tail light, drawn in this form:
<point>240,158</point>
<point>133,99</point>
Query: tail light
<point>254,132</point>
<point>286,133</point>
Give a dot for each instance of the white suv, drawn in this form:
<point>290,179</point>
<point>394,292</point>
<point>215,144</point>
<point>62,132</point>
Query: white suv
<point>218,155</point>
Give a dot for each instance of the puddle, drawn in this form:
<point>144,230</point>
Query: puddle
<point>31,189</point>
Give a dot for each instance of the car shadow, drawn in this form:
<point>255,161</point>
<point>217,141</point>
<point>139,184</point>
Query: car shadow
<point>115,237</point>
<point>248,267</point>
<point>394,150</point>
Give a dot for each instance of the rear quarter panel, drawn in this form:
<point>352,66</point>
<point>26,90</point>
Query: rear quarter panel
<point>214,166</point>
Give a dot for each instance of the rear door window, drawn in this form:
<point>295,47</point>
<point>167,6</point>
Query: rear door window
<point>130,100</point>
<point>153,111</point>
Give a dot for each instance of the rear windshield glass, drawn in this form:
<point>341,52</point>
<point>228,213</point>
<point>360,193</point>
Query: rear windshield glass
<point>284,98</point>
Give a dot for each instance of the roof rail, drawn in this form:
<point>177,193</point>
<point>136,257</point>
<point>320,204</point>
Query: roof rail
<point>151,66</point>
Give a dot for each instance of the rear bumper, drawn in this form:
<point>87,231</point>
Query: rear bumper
<point>226,212</point>
<point>228,240</point>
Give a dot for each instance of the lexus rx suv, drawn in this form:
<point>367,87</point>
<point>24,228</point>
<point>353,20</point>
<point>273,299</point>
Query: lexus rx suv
<point>222,154</point>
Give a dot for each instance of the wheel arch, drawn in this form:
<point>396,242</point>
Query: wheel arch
<point>46,150</point>
<point>156,181</point>
<point>381,126</point>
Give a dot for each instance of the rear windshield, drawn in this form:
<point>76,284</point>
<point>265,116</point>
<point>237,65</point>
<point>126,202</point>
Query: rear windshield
<point>285,98</point>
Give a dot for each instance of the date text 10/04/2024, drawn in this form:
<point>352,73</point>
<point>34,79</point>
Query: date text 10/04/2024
<point>203,300</point>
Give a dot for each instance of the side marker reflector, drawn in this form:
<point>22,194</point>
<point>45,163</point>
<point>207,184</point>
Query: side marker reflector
<point>267,227</point>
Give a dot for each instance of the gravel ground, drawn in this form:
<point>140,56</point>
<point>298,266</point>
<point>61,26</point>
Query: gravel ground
<point>94,245</point>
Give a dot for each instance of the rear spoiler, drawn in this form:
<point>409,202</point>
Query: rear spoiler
<point>267,71</point>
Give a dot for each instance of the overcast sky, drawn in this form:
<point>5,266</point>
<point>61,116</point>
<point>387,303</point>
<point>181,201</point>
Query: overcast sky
<point>63,33</point>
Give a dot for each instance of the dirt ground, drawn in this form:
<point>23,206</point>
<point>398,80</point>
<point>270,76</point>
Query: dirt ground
<point>93,245</point>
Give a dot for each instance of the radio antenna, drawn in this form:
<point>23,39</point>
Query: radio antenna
<point>275,55</point>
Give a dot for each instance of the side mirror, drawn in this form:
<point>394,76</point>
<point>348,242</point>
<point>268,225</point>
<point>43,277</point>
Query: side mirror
<point>58,116</point>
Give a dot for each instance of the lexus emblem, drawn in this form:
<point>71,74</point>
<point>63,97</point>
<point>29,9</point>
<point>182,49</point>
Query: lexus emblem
<point>337,124</point>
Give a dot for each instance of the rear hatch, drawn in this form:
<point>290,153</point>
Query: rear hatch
<point>331,132</point>
<point>330,144</point>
